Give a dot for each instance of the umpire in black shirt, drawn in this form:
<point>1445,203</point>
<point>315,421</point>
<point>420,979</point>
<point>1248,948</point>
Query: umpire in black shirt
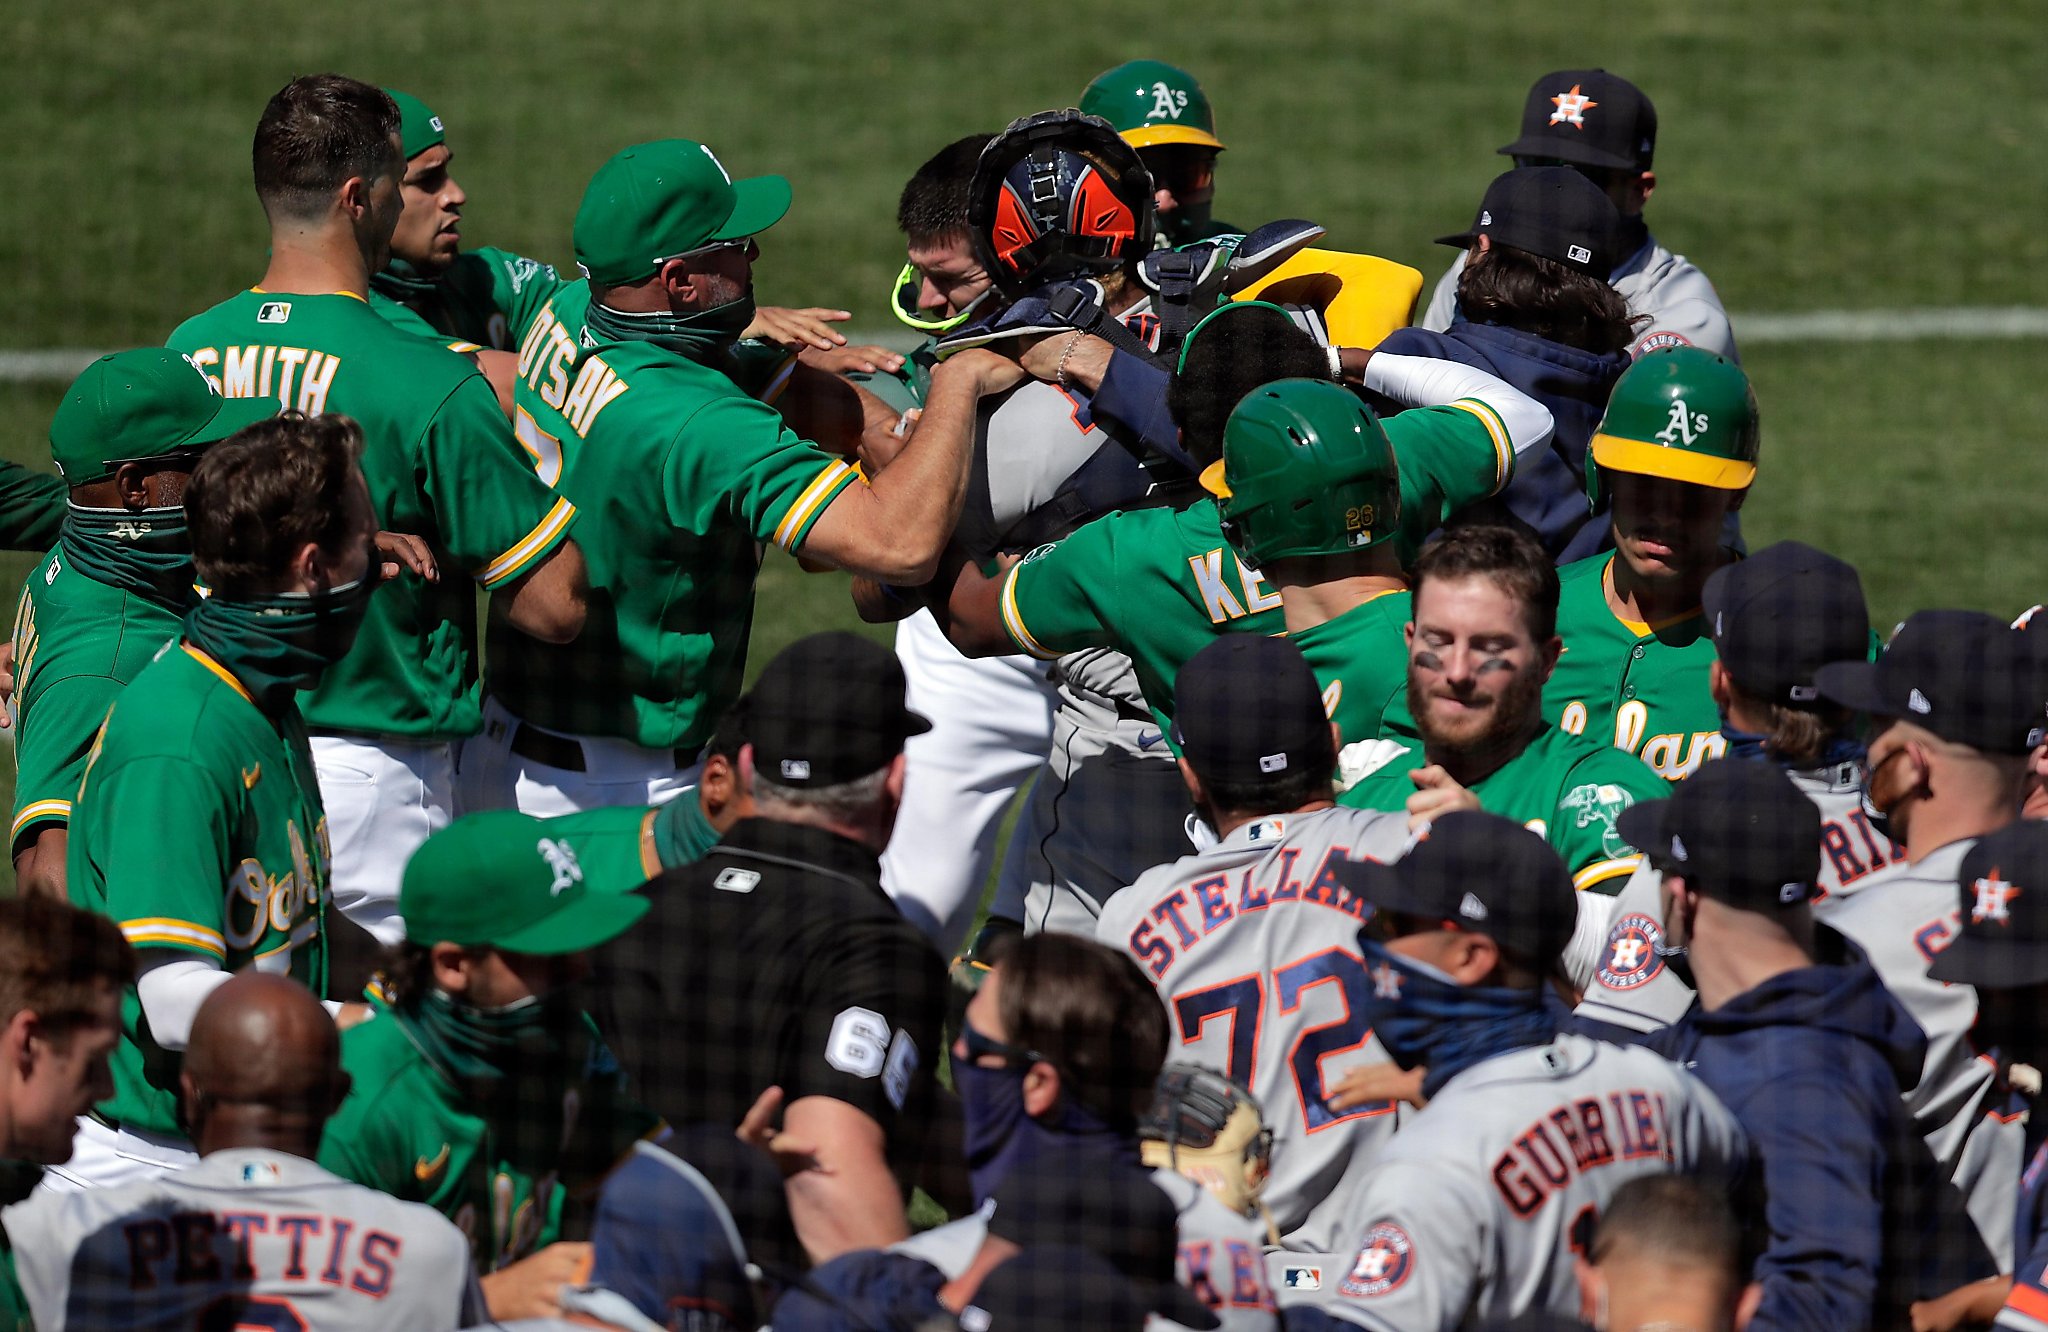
<point>778,962</point>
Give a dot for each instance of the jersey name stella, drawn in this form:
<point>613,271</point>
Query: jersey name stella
<point>1186,917</point>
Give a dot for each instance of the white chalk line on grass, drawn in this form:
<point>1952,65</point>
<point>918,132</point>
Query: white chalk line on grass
<point>59,365</point>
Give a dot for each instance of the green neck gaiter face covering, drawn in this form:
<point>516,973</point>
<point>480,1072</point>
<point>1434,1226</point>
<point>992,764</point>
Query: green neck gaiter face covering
<point>402,282</point>
<point>483,1045</point>
<point>279,645</point>
<point>148,553</point>
<point>705,337</point>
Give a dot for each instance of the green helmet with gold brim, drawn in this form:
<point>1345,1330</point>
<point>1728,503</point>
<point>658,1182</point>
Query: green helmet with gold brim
<point>1680,413</point>
<point>1306,470</point>
<point>1150,103</point>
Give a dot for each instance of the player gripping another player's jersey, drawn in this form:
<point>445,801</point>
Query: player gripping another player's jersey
<point>488,298</point>
<point>1253,946</point>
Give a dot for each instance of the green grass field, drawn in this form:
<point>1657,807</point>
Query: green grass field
<point>1820,156</point>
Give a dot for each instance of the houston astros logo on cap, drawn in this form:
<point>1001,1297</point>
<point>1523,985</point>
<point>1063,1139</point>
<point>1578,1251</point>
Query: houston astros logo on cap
<point>1572,107</point>
<point>1994,899</point>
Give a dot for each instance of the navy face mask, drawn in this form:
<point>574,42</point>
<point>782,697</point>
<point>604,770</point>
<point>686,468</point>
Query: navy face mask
<point>1000,1136</point>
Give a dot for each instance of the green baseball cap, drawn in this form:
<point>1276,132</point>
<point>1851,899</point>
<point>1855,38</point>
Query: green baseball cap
<point>502,879</point>
<point>1151,103</point>
<point>418,127</point>
<point>657,200</point>
<point>143,403</point>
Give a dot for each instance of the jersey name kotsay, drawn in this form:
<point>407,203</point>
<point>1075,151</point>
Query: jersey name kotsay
<point>1573,1139</point>
<point>187,1248</point>
<point>1182,918</point>
<point>298,377</point>
<point>544,359</point>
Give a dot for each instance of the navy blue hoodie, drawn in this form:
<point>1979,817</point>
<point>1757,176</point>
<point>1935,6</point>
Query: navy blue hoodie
<point>1549,487</point>
<point>1857,1221</point>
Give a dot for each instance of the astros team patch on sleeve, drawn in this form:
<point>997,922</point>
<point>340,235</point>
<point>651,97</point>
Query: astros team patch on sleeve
<point>1633,954</point>
<point>1383,1264</point>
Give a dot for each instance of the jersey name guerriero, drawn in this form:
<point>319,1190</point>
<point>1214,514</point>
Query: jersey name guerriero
<point>77,643</point>
<point>1253,946</point>
<point>683,476</point>
<point>199,830</point>
<point>1361,660</point>
<point>1155,584</point>
<point>1638,687</point>
<point>441,465</point>
<point>487,298</point>
<point>1481,1202</point>
<point>1568,788</point>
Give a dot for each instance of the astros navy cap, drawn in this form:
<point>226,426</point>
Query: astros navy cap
<point>1550,211</point>
<point>1587,117</point>
<point>2003,888</point>
<point>1738,830</point>
<point>1782,614</point>
<point>1486,874</point>
<point>1966,676</point>
<point>1248,707</point>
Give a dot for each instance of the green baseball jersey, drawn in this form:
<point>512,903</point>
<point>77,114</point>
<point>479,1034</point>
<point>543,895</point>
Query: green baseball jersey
<point>31,507</point>
<point>198,827</point>
<point>1449,456</point>
<point>487,298</point>
<point>905,387</point>
<point>1361,660</point>
<point>77,644</point>
<point>495,1157</point>
<point>1155,584</point>
<point>621,847</point>
<point>1567,787</point>
<point>442,465</point>
<point>1639,687</point>
<point>683,476</point>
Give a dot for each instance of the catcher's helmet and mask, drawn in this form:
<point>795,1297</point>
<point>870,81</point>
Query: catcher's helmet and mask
<point>1058,196</point>
<point>1209,1128</point>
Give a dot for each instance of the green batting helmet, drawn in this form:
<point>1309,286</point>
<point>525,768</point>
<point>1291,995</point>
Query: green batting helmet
<point>1681,413</point>
<point>1306,470</point>
<point>1151,102</point>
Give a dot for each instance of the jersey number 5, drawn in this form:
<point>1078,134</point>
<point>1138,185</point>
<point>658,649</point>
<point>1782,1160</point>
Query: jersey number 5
<point>543,448</point>
<point>1243,1001</point>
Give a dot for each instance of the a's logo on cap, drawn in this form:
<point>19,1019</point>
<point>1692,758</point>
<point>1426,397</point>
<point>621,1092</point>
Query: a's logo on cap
<point>1683,426</point>
<point>1471,908</point>
<point>1571,108</point>
<point>1579,254</point>
<point>274,312</point>
<point>1918,702</point>
<point>561,858</point>
<point>796,770</point>
<point>1167,103</point>
<point>1994,897</point>
<point>1272,763</point>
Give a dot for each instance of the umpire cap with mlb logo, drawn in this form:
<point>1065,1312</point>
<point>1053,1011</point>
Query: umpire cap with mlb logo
<point>2003,890</point>
<point>1739,832</point>
<point>1480,873</point>
<point>1247,708</point>
<point>829,709</point>
<point>1966,676</point>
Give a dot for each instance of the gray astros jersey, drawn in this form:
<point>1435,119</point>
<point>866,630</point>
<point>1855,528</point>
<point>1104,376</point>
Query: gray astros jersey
<point>1253,946</point>
<point>1901,917</point>
<point>248,1238</point>
<point>1629,982</point>
<point>1480,1204</point>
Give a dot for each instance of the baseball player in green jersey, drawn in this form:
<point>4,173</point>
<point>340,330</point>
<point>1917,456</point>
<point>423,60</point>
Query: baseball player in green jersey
<point>1482,637</point>
<point>441,462</point>
<point>207,743</point>
<point>1677,449</point>
<point>482,1089</point>
<point>1163,113</point>
<point>474,299</point>
<point>126,436</point>
<point>31,508</point>
<point>629,398</point>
